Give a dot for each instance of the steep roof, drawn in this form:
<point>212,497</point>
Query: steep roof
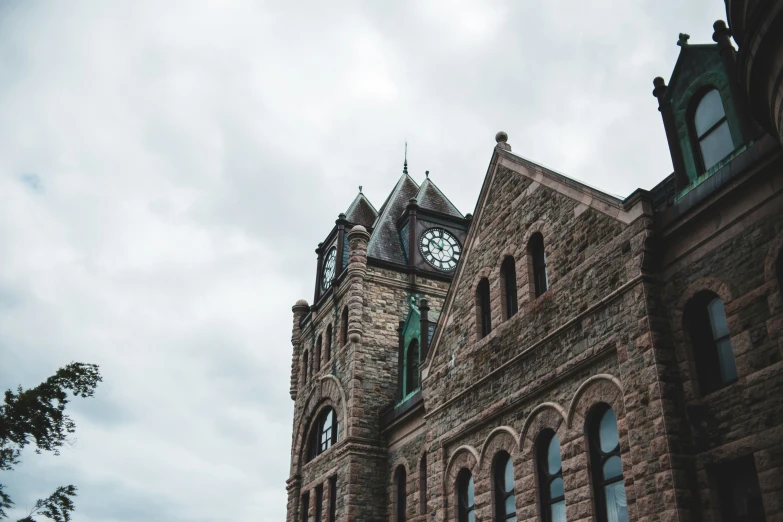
<point>361,212</point>
<point>385,241</point>
<point>430,197</point>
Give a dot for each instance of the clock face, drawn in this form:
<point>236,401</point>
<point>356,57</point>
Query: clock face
<point>440,249</point>
<point>329,265</point>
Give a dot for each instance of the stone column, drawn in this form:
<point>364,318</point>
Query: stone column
<point>400,361</point>
<point>424,309</point>
<point>357,270</point>
<point>300,309</point>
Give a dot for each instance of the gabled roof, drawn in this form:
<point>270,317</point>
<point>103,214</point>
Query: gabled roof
<point>430,197</point>
<point>361,212</point>
<point>385,241</point>
<point>691,56</point>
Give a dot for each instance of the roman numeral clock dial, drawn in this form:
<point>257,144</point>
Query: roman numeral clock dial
<point>328,271</point>
<point>440,249</point>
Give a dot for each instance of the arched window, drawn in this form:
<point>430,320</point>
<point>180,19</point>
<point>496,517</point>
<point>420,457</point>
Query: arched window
<point>400,494</point>
<point>344,327</point>
<point>711,130</point>
<point>550,477</point>
<point>423,485</point>
<point>712,352</point>
<point>317,356</point>
<point>412,366</point>
<point>323,434</point>
<point>328,345</point>
<point>305,367</point>
<point>607,467</point>
<point>484,318</point>
<point>465,497</point>
<point>508,275</point>
<point>537,255</point>
<point>505,501</point>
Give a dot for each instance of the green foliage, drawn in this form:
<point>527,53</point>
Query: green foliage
<point>38,416</point>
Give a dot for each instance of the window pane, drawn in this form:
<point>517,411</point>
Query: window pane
<point>608,431</point>
<point>469,493</point>
<point>508,478</point>
<point>717,313</point>
<point>616,507</point>
<point>709,111</point>
<point>716,145</point>
<point>511,505</point>
<point>471,517</point>
<point>553,456</point>
<point>613,467</point>
<point>328,421</point>
<point>556,488</point>
<point>558,512</point>
<point>728,368</point>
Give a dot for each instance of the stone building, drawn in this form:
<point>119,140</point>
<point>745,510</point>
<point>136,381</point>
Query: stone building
<point>563,354</point>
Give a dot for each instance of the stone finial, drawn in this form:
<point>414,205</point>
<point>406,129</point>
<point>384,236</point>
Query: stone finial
<point>501,138</point>
<point>683,40</point>
<point>426,173</point>
<point>660,87</point>
<point>722,34</point>
<point>301,304</point>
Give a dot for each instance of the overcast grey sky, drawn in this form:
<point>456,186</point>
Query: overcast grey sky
<point>167,169</point>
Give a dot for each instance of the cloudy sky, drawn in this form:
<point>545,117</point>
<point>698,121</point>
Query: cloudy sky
<point>167,169</point>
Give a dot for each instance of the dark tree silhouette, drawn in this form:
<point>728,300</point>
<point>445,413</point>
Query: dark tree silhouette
<point>37,416</point>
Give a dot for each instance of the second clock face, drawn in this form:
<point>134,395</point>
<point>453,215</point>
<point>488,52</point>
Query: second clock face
<point>440,249</point>
<point>329,266</point>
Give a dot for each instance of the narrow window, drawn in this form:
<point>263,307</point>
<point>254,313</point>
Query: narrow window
<point>305,506</point>
<point>484,314</point>
<point>508,273</point>
<point>505,501</point>
<point>465,499</point>
<point>400,494</point>
<point>779,270</point>
<point>317,355</point>
<point>412,367</point>
<point>538,260</point>
<point>333,499</point>
<point>323,434</point>
<point>305,367</point>
<point>319,502</point>
<point>344,327</point>
<point>550,477</point>
<point>712,351</point>
<point>739,491</point>
<point>607,466</point>
<point>328,345</point>
<point>711,129</point>
<point>423,485</point>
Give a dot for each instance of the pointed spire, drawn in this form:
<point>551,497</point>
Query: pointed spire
<point>405,165</point>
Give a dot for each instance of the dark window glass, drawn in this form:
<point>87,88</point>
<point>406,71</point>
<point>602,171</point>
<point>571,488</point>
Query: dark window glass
<point>606,466</point>
<point>344,327</point>
<point>712,129</point>
<point>402,494</point>
<point>509,271</point>
<point>465,497</point>
<point>712,351</point>
<point>505,501</point>
<point>536,247</point>
<point>328,345</point>
<point>324,433</point>
<point>319,503</point>
<point>739,491</point>
<point>779,270</point>
<point>550,474</point>
<point>305,367</point>
<point>317,355</point>
<point>305,506</point>
<point>423,485</point>
<point>485,317</point>
<point>412,367</point>
<point>333,499</point>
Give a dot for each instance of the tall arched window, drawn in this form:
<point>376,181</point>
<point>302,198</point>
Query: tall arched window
<point>607,466</point>
<point>344,327</point>
<point>323,433</point>
<point>503,478</point>
<point>711,130</point>
<point>328,344</point>
<point>317,356</point>
<point>423,485</point>
<point>305,368</point>
<point>400,494</point>
<point>538,263</point>
<point>712,352</point>
<point>465,497</point>
<point>412,366</point>
<point>484,318</point>
<point>508,275</point>
<point>550,477</point>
